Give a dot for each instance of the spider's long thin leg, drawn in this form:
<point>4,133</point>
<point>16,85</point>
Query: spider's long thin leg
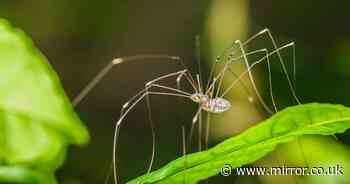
<point>199,77</point>
<point>115,145</point>
<point>209,92</point>
<point>150,119</point>
<point>294,68</point>
<point>109,174</point>
<point>82,94</point>
<point>213,68</point>
<point>195,119</point>
<point>244,85</point>
<point>198,58</point>
<point>184,147</point>
<point>290,84</point>
<point>200,131</point>
<point>238,79</point>
<point>251,78</point>
<point>149,111</point>
<point>254,64</point>
<point>179,75</point>
<point>178,84</point>
<point>270,82</point>
<point>131,103</point>
<point>176,92</point>
<point>124,114</point>
<point>259,34</point>
<point>199,84</point>
<point>221,74</point>
<point>231,50</point>
<point>192,83</point>
<point>209,89</point>
<point>207,129</point>
<point>219,58</point>
<point>253,82</point>
<point>152,83</point>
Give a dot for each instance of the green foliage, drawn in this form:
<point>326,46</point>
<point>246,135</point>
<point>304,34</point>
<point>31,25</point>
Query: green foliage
<point>254,143</point>
<point>37,121</point>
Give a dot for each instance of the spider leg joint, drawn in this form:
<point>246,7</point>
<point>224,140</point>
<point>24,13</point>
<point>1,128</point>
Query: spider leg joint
<point>117,61</point>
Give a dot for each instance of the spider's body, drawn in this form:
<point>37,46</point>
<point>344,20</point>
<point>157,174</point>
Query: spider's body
<point>214,105</point>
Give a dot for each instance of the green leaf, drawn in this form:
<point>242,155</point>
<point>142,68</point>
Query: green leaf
<point>37,120</point>
<point>254,143</point>
<point>16,174</point>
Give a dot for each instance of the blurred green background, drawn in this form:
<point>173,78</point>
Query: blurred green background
<point>81,37</point>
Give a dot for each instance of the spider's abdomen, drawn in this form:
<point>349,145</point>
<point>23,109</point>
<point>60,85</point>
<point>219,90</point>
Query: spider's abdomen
<point>217,105</point>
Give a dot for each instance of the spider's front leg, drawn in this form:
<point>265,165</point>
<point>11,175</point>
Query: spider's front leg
<point>144,94</point>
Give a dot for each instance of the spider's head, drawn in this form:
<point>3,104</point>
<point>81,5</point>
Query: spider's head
<point>199,98</point>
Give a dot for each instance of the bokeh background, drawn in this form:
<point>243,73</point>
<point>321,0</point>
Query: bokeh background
<point>81,37</point>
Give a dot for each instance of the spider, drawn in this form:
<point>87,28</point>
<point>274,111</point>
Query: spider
<point>209,97</point>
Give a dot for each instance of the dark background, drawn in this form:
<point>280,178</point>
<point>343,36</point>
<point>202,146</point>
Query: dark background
<point>81,37</point>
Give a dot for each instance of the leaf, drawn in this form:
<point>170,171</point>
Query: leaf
<point>15,174</point>
<point>254,143</point>
<point>37,121</point>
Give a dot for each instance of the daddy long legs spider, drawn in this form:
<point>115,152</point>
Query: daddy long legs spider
<point>209,97</point>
